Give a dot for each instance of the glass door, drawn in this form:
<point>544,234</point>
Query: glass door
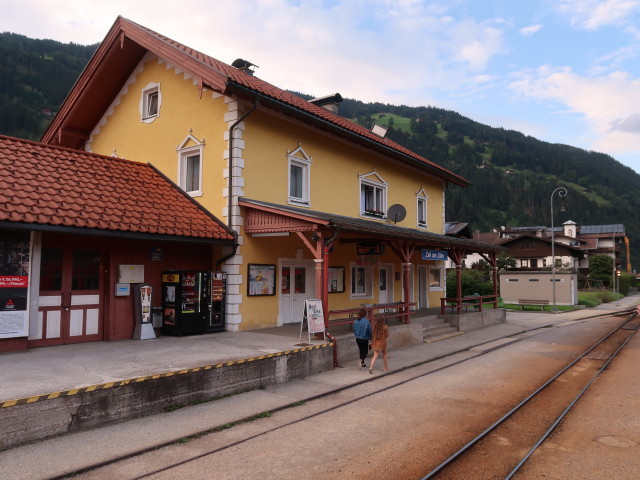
<point>295,287</point>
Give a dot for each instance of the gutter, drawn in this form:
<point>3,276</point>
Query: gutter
<point>433,169</point>
<point>230,202</point>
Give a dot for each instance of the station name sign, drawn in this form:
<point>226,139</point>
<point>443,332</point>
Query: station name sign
<point>434,255</point>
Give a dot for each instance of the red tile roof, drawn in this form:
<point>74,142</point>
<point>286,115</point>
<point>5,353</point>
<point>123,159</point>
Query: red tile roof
<point>45,185</point>
<point>127,40</point>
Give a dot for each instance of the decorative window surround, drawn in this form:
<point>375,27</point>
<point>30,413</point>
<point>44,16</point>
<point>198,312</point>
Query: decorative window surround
<point>421,208</point>
<point>373,195</point>
<point>190,165</point>
<point>436,278</point>
<point>299,177</point>
<point>150,102</point>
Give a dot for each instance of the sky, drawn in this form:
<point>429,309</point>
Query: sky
<point>562,71</point>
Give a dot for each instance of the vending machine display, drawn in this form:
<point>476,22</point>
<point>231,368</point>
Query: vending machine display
<point>193,302</point>
<point>218,288</point>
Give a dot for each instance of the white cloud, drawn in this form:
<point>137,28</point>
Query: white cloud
<point>528,31</point>
<point>609,104</point>
<point>593,14</point>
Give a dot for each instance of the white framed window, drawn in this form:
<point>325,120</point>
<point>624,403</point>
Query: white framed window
<point>361,281</point>
<point>150,102</point>
<point>421,209</point>
<point>190,165</point>
<point>435,278</point>
<point>299,177</point>
<point>373,195</point>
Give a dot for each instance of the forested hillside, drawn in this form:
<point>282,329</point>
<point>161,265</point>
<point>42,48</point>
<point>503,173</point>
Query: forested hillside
<point>512,175</point>
<point>35,77</point>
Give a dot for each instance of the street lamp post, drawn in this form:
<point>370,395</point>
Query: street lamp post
<point>562,192</point>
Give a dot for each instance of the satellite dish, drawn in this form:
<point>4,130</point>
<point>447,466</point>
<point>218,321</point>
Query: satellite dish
<point>396,213</point>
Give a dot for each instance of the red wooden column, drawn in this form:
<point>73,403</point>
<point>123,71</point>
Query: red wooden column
<point>492,259</point>
<point>457,254</point>
<point>320,252</point>
<point>405,250</point>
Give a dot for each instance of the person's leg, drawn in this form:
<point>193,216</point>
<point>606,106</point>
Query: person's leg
<point>384,359</point>
<point>373,360</point>
<point>363,346</point>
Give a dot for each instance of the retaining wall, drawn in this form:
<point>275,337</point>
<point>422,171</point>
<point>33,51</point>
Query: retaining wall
<point>48,415</point>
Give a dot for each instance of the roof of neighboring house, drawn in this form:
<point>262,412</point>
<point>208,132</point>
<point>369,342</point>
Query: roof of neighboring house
<point>43,187</point>
<point>601,230</point>
<point>457,229</point>
<point>125,45</point>
<point>495,239</point>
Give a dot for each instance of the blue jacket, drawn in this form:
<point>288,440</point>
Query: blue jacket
<point>362,328</point>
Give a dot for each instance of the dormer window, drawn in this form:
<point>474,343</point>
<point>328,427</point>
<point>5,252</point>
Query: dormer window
<point>150,103</point>
<point>373,196</point>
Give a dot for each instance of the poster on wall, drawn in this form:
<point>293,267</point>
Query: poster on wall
<point>14,284</point>
<point>262,280</point>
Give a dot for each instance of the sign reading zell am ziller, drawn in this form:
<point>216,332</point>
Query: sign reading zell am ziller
<point>434,255</point>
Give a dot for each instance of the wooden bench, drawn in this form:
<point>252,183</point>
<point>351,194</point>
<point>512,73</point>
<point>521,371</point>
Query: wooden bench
<point>537,303</point>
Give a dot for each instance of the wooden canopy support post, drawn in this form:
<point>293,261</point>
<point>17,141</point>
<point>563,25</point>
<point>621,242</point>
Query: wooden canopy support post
<point>492,259</point>
<point>405,250</point>
<point>457,254</point>
<point>320,252</point>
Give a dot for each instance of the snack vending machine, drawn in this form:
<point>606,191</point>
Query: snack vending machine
<point>193,302</point>
<point>184,302</point>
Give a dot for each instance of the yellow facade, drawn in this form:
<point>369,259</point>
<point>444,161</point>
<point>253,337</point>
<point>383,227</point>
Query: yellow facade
<point>187,119</point>
<point>182,113</point>
<point>334,184</point>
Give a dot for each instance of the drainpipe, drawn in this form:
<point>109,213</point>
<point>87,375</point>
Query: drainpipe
<point>230,202</point>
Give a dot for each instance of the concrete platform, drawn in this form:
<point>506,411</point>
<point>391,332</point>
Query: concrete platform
<point>263,364</point>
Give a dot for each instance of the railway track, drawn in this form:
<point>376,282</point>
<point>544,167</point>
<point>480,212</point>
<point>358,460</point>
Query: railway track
<point>440,471</point>
<point>497,452</point>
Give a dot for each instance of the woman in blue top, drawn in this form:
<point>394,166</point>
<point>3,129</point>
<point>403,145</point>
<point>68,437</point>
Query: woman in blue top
<point>362,331</point>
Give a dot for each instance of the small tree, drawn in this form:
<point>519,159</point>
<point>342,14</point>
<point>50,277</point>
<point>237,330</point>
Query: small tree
<point>505,262</point>
<point>601,268</point>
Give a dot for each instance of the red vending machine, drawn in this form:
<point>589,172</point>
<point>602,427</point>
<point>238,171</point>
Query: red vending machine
<point>186,300</point>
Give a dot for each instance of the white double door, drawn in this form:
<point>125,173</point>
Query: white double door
<point>297,284</point>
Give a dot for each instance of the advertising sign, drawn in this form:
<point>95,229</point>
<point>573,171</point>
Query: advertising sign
<point>14,284</point>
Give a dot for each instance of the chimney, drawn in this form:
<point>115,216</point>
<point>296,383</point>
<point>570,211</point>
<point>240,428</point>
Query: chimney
<point>244,65</point>
<point>330,102</point>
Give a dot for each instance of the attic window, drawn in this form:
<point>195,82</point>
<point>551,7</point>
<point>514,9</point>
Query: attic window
<point>150,103</point>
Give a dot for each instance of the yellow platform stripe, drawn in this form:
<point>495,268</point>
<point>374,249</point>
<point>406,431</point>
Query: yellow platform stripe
<point>119,383</point>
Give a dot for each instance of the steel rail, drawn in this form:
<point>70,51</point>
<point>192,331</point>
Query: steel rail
<point>569,407</point>
<point>450,460</point>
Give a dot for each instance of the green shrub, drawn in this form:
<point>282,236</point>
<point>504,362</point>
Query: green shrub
<point>595,298</point>
<point>473,281</point>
